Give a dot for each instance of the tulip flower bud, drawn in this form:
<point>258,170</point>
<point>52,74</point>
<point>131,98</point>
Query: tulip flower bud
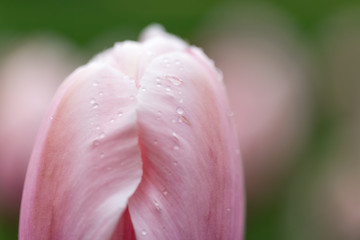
<point>137,145</point>
<point>29,76</point>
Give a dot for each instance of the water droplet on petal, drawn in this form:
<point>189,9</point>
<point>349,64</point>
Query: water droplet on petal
<point>101,94</point>
<point>180,111</point>
<point>102,155</point>
<point>95,84</point>
<point>159,113</point>
<point>157,205</point>
<point>143,232</point>
<point>92,101</point>
<point>165,192</point>
<point>96,143</point>
<point>120,114</point>
<point>181,100</point>
<point>51,117</point>
<point>176,147</point>
<point>174,80</point>
<point>112,120</point>
<point>95,105</point>
<point>168,89</point>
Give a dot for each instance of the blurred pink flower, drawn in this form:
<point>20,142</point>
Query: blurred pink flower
<point>265,79</point>
<point>29,76</point>
<point>137,145</point>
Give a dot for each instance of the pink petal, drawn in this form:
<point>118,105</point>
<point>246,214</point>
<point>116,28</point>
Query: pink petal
<point>191,187</point>
<point>167,168</point>
<point>86,163</point>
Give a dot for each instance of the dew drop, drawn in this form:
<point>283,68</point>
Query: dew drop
<point>95,106</point>
<point>181,100</point>
<point>143,89</point>
<point>120,114</point>
<point>173,121</point>
<point>96,143</point>
<point>159,113</point>
<point>168,89</point>
<point>143,232</point>
<point>176,147</point>
<point>165,192</point>
<point>180,120</point>
<point>92,101</point>
<point>180,111</point>
<point>102,155</point>
<point>97,127</point>
<point>51,117</point>
<point>157,205</point>
<point>112,120</point>
<point>101,94</point>
<point>95,84</point>
<point>102,135</point>
<point>174,80</point>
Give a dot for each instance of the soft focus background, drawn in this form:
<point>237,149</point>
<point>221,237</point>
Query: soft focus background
<point>292,70</point>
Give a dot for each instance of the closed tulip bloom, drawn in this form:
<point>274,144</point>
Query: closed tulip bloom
<point>138,144</point>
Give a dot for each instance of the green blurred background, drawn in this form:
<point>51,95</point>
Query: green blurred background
<point>94,25</point>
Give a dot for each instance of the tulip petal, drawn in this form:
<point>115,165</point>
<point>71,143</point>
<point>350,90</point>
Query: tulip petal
<point>191,188</point>
<point>86,163</point>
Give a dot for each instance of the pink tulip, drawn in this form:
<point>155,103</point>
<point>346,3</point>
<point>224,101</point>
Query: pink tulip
<point>137,145</point>
<point>265,77</point>
<point>29,76</point>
